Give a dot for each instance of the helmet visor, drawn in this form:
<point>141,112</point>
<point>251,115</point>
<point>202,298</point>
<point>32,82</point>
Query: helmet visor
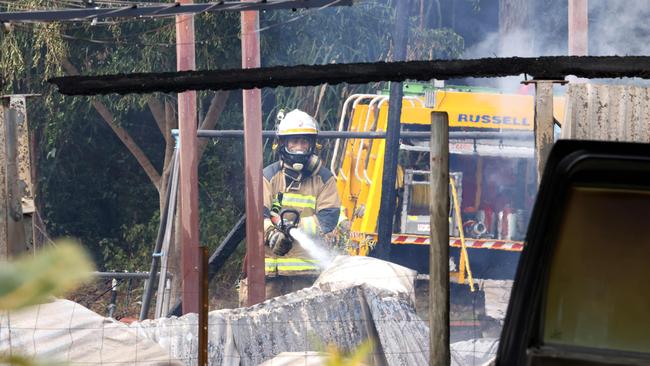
<point>299,144</point>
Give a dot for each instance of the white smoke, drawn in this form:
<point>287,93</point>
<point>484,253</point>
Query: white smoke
<point>619,27</point>
<point>515,44</point>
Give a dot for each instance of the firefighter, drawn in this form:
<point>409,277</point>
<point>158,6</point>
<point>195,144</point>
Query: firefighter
<point>297,181</point>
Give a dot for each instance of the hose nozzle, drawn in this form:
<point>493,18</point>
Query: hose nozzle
<point>289,219</point>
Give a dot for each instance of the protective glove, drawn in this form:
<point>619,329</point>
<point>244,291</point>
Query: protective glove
<point>278,241</point>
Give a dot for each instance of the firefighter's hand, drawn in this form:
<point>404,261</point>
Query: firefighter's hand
<point>278,241</point>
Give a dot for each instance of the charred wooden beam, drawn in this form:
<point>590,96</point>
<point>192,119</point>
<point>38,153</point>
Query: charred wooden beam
<point>552,67</point>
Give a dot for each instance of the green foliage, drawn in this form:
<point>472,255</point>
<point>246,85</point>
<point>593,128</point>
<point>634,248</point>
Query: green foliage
<point>435,44</point>
<point>29,48</point>
<point>92,188</point>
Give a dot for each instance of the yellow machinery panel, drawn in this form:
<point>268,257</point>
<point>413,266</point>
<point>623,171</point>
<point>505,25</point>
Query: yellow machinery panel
<point>482,110</point>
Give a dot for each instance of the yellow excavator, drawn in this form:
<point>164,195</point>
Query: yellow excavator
<point>492,171</point>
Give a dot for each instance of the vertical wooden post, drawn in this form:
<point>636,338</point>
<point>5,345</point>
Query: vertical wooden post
<point>578,28</point>
<point>5,249</point>
<point>439,248</point>
<point>253,162</point>
<point>15,177</point>
<point>543,123</point>
<point>24,190</point>
<point>14,219</point>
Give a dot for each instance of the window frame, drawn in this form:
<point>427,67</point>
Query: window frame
<point>571,163</point>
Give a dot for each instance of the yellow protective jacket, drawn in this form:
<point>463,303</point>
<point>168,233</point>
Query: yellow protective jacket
<point>317,200</point>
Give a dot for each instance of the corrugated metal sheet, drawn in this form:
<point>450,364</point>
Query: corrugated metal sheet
<point>607,112</point>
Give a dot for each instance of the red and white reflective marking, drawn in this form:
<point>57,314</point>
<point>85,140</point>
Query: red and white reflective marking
<point>514,246</point>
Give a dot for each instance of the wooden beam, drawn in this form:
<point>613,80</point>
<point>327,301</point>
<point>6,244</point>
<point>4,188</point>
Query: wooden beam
<point>543,124</point>
<point>552,67</point>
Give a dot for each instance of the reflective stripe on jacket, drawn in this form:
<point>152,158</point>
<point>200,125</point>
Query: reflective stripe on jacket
<point>297,200</point>
<point>288,266</point>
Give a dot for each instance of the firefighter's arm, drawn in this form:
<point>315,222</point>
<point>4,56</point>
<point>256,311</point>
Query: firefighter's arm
<point>328,209</point>
<point>268,200</point>
<point>269,228</point>
<point>273,236</point>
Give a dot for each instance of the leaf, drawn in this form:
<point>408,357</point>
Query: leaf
<point>18,360</point>
<point>357,358</point>
<point>53,271</point>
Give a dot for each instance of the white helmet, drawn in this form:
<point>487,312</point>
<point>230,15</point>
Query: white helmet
<point>298,123</point>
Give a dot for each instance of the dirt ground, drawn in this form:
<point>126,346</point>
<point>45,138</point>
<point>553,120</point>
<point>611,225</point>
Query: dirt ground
<point>96,296</point>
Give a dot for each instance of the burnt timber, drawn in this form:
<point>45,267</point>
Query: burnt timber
<point>549,68</point>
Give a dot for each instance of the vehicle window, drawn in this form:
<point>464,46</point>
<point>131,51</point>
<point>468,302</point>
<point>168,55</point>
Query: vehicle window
<point>597,294</point>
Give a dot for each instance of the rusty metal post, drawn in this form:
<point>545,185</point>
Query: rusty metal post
<point>193,256</point>
<point>250,46</point>
<point>439,248</point>
<point>543,123</point>
<point>189,199</point>
<point>578,28</point>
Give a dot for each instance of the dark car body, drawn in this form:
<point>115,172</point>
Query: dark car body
<point>582,289</point>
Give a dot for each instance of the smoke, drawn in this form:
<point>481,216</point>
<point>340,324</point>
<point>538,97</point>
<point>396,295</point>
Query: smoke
<point>619,27</point>
<point>540,36</point>
<point>615,28</point>
<point>515,44</point>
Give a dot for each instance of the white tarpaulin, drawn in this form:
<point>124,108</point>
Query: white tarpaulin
<point>64,331</point>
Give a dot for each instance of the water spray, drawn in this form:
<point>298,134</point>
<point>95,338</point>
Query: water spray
<point>287,222</point>
<point>312,246</point>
